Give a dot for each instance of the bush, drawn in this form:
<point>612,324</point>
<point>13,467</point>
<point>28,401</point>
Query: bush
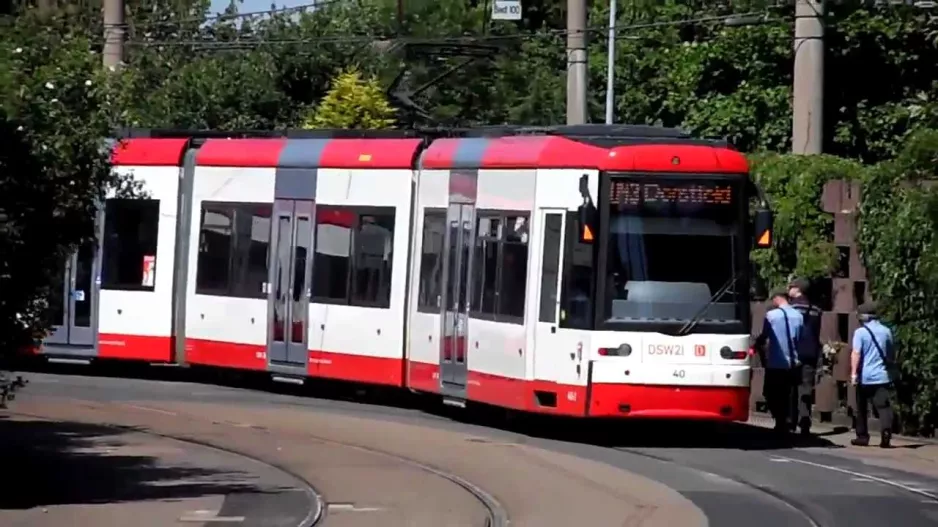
<point>54,168</point>
<point>803,231</point>
<point>899,247</point>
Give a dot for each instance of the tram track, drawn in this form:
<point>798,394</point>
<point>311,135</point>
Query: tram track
<point>497,515</point>
<point>728,483</point>
<point>792,505</point>
<point>314,512</point>
<point>502,477</point>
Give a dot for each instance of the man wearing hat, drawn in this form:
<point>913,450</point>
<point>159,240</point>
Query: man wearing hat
<point>871,365</point>
<point>777,345</point>
<point>809,353</point>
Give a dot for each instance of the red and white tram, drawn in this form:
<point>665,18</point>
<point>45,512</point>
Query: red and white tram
<point>582,271</point>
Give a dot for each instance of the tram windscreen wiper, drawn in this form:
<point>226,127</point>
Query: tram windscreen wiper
<point>692,323</point>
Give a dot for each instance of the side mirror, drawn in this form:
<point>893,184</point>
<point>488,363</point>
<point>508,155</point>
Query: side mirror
<point>584,224</point>
<point>585,213</point>
<point>762,228</point>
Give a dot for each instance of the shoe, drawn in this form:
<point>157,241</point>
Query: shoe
<point>860,442</point>
<point>886,440</point>
<point>805,426</point>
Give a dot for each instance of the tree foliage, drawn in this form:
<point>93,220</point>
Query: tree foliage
<point>353,102</point>
<point>898,235</point>
<point>53,166</point>
<point>803,231</point>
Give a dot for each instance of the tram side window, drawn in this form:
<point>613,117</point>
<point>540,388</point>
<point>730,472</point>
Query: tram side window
<point>429,294</point>
<point>234,240</point>
<point>500,267</point>
<point>550,267</point>
<point>353,256</point>
<point>373,249</point>
<point>576,300</point>
<point>131,227</point>
<point>252,243</point>
<point>485,279</point>
<point>514,269</point>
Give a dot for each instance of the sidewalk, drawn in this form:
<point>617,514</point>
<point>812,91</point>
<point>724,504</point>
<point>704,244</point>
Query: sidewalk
<point>909,454</point>
<point>84,475</point>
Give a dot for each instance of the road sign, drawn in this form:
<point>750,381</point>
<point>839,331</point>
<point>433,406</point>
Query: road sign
<point>506,10</point>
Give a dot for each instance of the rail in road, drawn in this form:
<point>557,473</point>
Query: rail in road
<point>383,473</point>
<point>384,465</point>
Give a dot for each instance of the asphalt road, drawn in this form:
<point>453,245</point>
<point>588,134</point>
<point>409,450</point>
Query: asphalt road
<point>734,474</point>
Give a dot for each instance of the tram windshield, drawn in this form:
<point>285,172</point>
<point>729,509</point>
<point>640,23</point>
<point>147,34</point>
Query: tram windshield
<point>672,246</point>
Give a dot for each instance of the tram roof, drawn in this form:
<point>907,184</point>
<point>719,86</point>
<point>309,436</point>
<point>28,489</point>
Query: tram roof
<point>490,147</point>
<point>602,135</point>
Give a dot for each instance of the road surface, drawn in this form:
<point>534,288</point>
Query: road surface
<point>382,464</point>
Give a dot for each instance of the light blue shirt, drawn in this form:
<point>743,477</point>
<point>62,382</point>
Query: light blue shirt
<point>782,350</point>
<point>872,369</point>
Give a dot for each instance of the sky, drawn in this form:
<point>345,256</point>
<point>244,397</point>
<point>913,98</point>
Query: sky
<point>248,6</point>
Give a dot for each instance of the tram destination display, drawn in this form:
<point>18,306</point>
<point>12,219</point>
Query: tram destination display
<point>690,195</point>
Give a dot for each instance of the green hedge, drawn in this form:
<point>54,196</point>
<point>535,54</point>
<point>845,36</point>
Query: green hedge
<point>803,232</point>
<point>897,235</point>
<point>898,222</point>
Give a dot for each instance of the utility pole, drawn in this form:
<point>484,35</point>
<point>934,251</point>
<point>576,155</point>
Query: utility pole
<point>576,62</point>
<point>400,17</point>
<point>113,34</point>
<point>807,135</point>
<point>611,64</point>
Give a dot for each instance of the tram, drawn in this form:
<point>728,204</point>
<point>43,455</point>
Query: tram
<point>588,271</point>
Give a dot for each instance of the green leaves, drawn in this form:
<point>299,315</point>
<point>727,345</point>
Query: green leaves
<point>353,102</point>
<point>898,235</point>
<point>803,232</point>
<point>54,168</point>
<point>898,241</point>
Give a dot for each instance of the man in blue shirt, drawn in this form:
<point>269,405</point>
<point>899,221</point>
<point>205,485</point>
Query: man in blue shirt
<point>870,371</point>
<point>778,351</point>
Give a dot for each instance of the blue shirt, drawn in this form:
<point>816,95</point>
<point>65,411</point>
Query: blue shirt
<point>782,337</point>
<point>872,369</point>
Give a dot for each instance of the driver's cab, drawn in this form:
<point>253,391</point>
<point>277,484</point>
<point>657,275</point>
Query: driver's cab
<point>673,250</point>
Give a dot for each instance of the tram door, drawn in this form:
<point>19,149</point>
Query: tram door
<point>290,265</point>
<point>457,261</point>
<point>73,303</point>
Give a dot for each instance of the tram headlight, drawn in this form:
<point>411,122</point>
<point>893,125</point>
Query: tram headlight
<point>624,350</point>
<point>728,354</point>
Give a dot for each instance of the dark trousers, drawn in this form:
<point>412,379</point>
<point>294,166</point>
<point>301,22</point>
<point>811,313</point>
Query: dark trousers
<point>802,395</point>
<point>777,389</point>
<point>878,394</point>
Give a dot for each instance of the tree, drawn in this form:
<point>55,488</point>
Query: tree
<point>54,167</point>
<point>353,102</point>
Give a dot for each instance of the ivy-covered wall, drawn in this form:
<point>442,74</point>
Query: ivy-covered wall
<point>896,229</point>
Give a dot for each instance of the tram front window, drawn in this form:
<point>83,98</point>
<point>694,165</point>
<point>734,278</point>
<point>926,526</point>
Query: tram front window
<point>670,247</point>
